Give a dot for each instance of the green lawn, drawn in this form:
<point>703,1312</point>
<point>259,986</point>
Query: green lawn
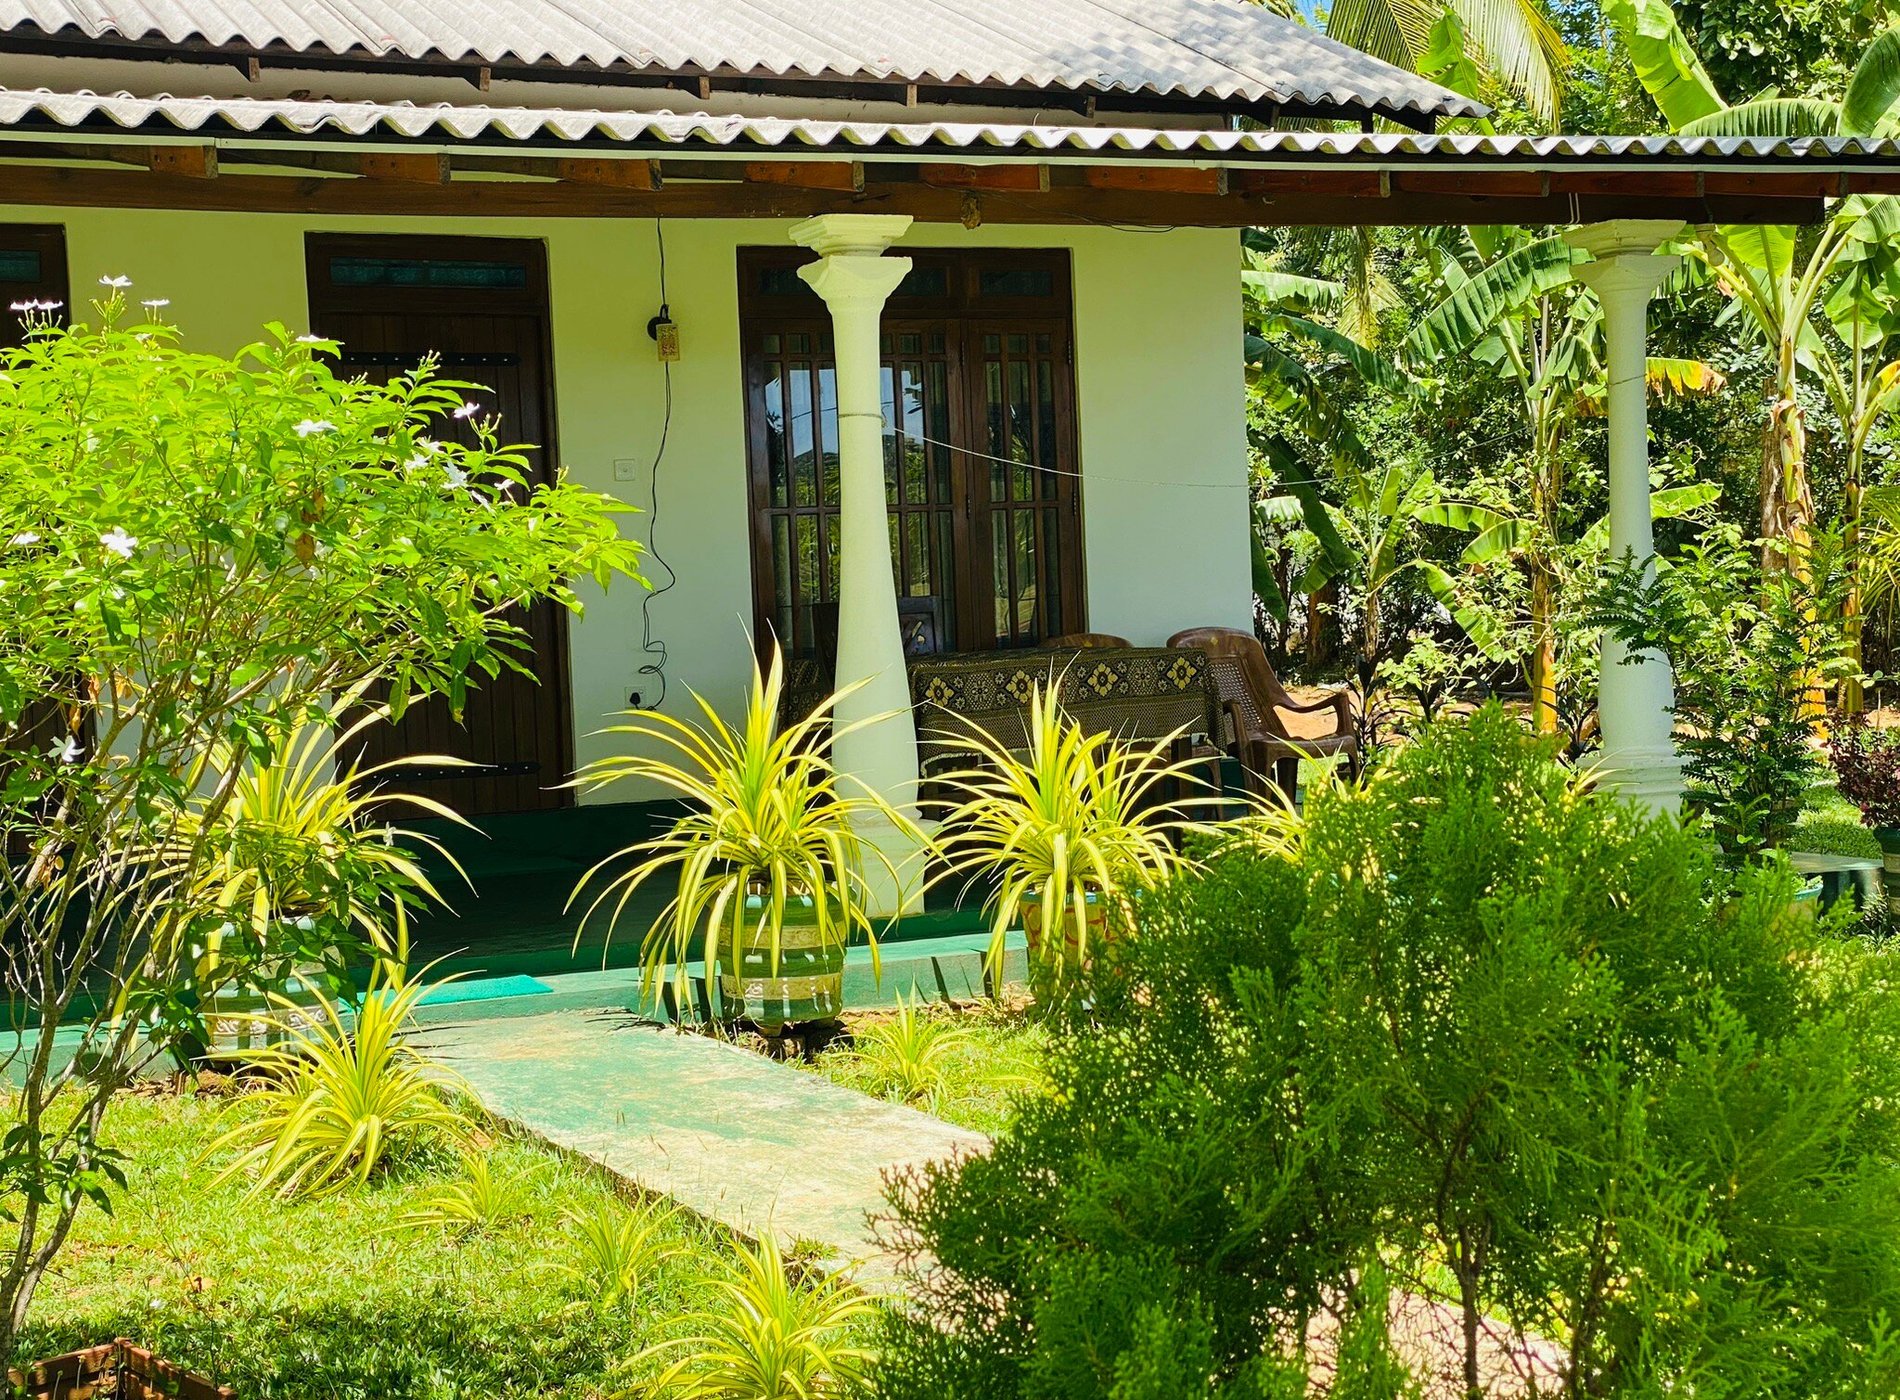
<point>994,1058</point>
<point>319,1300</point>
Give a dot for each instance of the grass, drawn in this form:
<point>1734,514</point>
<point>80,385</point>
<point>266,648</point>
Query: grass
<point>325,1299</point>
<point>992,1059</point>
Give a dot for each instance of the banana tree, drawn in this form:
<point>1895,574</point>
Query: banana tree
<point>1779,278</point>
<point>1863,385</point>
<point>1367,542</point>
<point>1510,301</point>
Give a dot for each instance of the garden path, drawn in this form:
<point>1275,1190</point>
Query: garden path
<point>727,1133</point>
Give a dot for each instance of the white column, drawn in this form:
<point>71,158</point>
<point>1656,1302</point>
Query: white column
<point>855,279</point>
<point>1633,706</point>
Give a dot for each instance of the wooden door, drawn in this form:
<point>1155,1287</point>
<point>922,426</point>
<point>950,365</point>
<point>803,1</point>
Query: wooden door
<point>480,306</point>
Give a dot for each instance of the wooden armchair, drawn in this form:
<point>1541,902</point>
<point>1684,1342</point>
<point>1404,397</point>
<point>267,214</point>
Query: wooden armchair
<point>1083,641</point>
<point>1256,703</point>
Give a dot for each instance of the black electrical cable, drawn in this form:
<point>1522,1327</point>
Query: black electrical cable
<point>651,646</point>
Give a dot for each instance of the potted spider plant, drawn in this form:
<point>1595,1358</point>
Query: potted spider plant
<point>766,867</point>
<point>303,876</point>
<point>1067,833</point>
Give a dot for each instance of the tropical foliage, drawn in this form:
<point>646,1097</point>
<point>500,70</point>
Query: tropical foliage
<point>769,825</point>
<point>201,552</point>
<point>1067,834</point>
<point>345,1091</point>
<point>1427,1103</point>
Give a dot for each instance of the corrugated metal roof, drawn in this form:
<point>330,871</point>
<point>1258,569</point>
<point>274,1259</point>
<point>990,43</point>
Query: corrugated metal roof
<point>454,124</point>
<point>1227,50</point>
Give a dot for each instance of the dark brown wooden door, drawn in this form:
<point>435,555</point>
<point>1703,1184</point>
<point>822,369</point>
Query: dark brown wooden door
<point>979,447</point>
<point>479,306</point>
<point>32,270</point>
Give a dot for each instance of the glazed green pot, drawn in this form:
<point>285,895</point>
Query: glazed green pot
<point>1889,839</point>
<point>806,985</point>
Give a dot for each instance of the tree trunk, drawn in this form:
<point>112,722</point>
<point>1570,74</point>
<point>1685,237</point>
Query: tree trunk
<point>1542,667</point>
<point>1853,698</point>
<point>1787,503</point>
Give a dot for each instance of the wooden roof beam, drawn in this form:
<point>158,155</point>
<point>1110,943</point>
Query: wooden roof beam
<point>843,176</point>
<point>1028,179</point>
<point>193,162</point>
<point>618,174</point>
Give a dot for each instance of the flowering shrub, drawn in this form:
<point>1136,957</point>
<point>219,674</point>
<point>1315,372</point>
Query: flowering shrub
<point>1867,768</point>
<point>196,554</point>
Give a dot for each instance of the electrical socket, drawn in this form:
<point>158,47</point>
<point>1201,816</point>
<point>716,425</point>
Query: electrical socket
<point>634,701</point>
<point>626,469</point>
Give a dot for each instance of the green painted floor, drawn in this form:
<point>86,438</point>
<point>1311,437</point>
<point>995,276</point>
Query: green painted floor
<point>729,1134</point>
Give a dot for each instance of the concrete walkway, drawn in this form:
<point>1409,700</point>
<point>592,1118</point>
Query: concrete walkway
<point>726,1132</point>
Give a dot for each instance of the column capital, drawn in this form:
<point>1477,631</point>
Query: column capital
<point>864,234</point>
<point>1624,254</point>
<point>855,279</point>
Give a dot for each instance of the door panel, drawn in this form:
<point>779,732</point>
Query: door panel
<point>515,727</point>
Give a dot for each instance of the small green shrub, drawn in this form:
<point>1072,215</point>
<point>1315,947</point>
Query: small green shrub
<point>906,1055</point>
<point>1502,1042</point>
<point>772,1335</point>
<point>477,1202</point>
<point>615,1248</point>
<point>342,1095</point>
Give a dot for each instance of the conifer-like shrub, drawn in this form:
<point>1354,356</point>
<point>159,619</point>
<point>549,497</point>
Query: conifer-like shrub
<point>1589,1106</point>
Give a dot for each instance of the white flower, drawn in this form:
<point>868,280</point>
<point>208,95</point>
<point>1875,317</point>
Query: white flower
<point>156,303</point>
<point>116,283</point>
<point>68,751</point>
<point>23,539</point>
<point>119,542</point>
<point>319,425</point>
<point>453,477</point>
<point>310,340</point>
<point>468,410</point>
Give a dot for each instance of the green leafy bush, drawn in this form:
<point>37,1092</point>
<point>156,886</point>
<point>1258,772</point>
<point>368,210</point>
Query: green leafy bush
<point>1498,1041</point>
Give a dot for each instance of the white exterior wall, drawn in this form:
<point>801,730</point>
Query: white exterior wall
<point>1160,406</point>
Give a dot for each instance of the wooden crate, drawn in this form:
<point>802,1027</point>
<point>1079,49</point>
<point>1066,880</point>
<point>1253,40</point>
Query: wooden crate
<point>115,1371</point>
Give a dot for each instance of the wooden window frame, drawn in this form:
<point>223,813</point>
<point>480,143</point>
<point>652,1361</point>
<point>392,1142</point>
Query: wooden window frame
<point>966,314</point>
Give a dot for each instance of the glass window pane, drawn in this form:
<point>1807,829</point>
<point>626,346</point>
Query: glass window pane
<point>920,580</point>
<point>1052,618</point>
<point>426,272</point>
<point>808,572</point>
<point>1019,437</point>
<point>910,343</point>
<point>770,345</point>
<point>994,411</point>
<point>916,488</point>
<point>782,581</point>
<point>780,486</point>
<point>937,425</point>
<point>892,436</point>
<point>1026,574</point>
<point>1000,555</point>
<point>828,431</point>
<point>804,451</point>
<point>1046,426</point>
<point>802,426</point>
